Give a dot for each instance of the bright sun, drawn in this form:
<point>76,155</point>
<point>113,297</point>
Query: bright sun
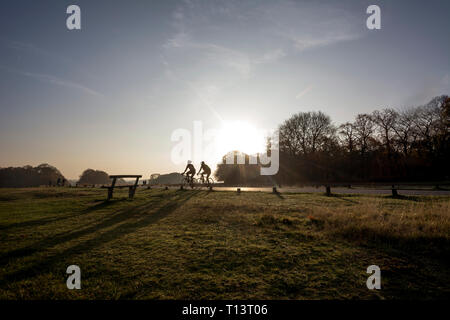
<point>240,136</point>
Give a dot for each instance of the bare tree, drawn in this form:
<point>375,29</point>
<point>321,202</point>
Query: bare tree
<point>426,120</point>
<point>347,136</point>
<point>385,121</point>
<point>321,131</point>
<point>364,129</point>
<point>405,130</point>
<point>302,123</point>
<point>445,115</point>
<point>411,144</point>
<point>289,142</point>
<point>305,133</point>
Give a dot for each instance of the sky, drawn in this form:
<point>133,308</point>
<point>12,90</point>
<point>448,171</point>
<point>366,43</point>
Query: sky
<point>111,95</point>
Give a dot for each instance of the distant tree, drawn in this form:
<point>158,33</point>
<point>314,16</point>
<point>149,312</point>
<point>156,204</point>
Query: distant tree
<point>90,176</point>
<point>441,139</point>
<point>161,179</point>
<point>364,129</point>
<point>405,131</point>
<point>445,114</point>
<point>234,173</point>
<point>292,136</point>
<point>385,121</point>
<point>322,132</point>
<point>427,121</point>
<point>387,145</point>
<point>347,136</point>
<point>305,133</point>
<point>28,176</point>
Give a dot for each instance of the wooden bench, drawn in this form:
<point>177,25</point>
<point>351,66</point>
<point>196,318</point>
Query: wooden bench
<point>132,187</point>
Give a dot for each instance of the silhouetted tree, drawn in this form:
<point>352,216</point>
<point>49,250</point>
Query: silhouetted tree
<point>90,176</point>
<point>28,176</point>
<point>387,145</point>
<point>347,136</point>
<point>239,172</point>
<point>385,121</point>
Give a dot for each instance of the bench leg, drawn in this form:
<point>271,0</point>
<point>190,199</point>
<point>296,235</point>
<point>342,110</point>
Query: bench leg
<point>110,193</point>
<point>131,192</point>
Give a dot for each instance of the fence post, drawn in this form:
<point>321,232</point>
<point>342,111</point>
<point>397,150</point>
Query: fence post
<point>328,190</point>
<point>394,191</point>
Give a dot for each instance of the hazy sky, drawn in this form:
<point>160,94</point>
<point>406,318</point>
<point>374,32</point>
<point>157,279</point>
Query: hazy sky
<point>110,95</point>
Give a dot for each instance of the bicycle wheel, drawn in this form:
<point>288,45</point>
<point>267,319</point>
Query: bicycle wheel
<point>195,183</point>
<point>185,182</point>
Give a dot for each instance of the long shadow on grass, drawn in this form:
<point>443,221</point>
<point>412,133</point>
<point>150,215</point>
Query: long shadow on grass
<point>342,197</point>
<point>279,195</point>
<point>411,278</point>
<point>402,197</point>
<point>54,240</point>
<point>110,235</point>
<point>41,222</point>
<point>115,218</point>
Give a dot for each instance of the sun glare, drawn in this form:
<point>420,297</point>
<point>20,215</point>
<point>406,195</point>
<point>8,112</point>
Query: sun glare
<point>240,136</point>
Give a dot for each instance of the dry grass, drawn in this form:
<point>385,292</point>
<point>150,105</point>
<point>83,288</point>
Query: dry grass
<point>418,224</point>
<point>221,245</point>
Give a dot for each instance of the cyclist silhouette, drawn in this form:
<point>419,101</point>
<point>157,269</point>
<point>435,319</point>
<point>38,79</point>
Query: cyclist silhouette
<point>190,170</point>
<point>206,170</point>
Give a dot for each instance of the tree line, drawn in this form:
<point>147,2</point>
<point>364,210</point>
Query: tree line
<point>411,144</point>
<point>29,176</point>
<point>47,175</point>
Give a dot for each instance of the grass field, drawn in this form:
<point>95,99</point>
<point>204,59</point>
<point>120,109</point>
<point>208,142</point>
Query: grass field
<point>221,245</point>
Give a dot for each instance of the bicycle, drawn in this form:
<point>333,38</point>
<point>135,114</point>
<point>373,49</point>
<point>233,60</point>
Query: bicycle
<point>202,180</point>
<point>188,181</point>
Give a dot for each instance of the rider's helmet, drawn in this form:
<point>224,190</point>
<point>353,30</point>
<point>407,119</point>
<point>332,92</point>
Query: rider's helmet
<point>189,162</point>
<point>203,162</point>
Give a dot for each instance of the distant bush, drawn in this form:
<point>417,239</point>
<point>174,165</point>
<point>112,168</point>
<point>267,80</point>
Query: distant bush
<point>171,178</point>
<point>28,176</point>
<point>90,176</point>
<point>237,174</point>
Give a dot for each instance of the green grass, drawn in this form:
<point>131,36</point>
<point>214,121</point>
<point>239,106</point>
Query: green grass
<point>221,245</point>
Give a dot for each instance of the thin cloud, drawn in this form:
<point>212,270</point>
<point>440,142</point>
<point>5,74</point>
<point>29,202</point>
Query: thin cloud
<point>203,98</point>
<point>307,26</point>
<point>222,55</point>
<point>276,30</point>
<point>53,80</point>
<point>231,39</point>
<point>29,48</point>
<point>303,92</point>
<point>270,56</point>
